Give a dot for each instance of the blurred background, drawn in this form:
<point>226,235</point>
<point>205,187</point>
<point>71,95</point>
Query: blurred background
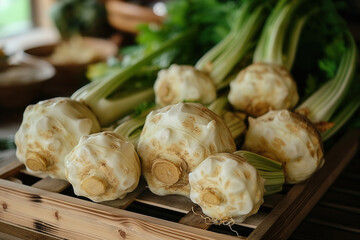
<point>52,18</point>
<point>39,28</point>
<point>69,35</point>
<point>62,39</point>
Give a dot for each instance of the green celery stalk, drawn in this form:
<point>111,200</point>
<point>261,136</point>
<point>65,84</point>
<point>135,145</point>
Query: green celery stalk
<point>261,162</point>
<point>268,169</point>
<point>341,118</point>
<point>95,93</point>
<point>222,58</point>
<point>234,121</point>
<point>323,103</point>
<point>273,45</point>
<point>131,128</point>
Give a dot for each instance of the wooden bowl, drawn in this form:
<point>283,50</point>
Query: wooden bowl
<point>71,75</point>
<point>21,83</point>
<point>126,16</point>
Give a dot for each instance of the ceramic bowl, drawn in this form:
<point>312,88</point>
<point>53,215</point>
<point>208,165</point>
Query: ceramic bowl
<point>70,75</point>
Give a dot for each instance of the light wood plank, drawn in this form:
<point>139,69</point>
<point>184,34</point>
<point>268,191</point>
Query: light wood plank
<point>130,197</point>
<point>10,169</point>
<point>172,202</point>
<point>70,217</point>
<point>38,175</point>
<point>195,218</point>
<point>52,184</point>
<point>73,218</point>
<point>254,220</point>
<point>12,232</point>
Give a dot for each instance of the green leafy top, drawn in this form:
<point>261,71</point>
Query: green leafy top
<point>320,48</point>
<point>212,20</point>
<point>207,17</point>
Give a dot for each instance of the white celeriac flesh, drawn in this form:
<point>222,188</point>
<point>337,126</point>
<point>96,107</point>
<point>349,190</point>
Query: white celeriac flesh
<point>49,131</point>
<point>177,138</point>
<point>289,138</point>
<point>262,87</point>
<point>227,188</point>
<point>183,83</point>
<point>103,166</point>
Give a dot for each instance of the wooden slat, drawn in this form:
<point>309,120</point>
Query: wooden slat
<point>254,220</point>
<point>272,200</point>
<point>12,232</point>
<point>313,231</point>
<point>130,197</point>
<point>7,156</point>
<point>38,175</point>
<point>4,236</point>
<point>302,197</point>
<point>338,226</point>
<point>72,218</point>
<point>344,208</point>
<point>13,179</point>
<point>172,202</point>
<point>52,184</point>
<point>344,183</point>
<point>197,218</point>
<point>39,208</point>
<point>347,199</point>
<point>193,218</point>
<point>10,169</point>
<point>336,218</point>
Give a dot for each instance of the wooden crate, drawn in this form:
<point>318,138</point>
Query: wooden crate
<point>48,206</point>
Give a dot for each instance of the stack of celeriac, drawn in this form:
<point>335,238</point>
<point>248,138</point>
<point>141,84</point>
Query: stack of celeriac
<point>185,147</point>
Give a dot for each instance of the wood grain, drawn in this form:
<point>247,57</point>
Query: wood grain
<point>73,218</point>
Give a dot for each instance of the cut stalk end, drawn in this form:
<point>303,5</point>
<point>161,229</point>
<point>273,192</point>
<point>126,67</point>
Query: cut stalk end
<point>166,171</point>
<point>36,162</point>
<point>211,196</point>
<point>94,185</point>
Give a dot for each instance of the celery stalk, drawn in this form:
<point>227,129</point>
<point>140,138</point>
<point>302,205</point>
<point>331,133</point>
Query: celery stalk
<point>222,58</point>
<point>268,169</point>
<point>233,120</point>
<point>131,128</point>
<point>95,93</point>
<point>273,38</point>
<point>324,102</point>
<point>260,162</point>
<point>341,118</point>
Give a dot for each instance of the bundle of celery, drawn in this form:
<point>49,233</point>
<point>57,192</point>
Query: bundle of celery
<point>266,90</point>
<point>53,127</point>
<point>212,20</point>
<point>327,59</point>
<point>324,104</point>
<point>301,39</point>
<point>208,78</point>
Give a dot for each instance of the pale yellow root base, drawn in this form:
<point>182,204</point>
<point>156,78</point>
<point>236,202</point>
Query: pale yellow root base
<point>94,185</point>
<point>37,163</point>
<point>166,171</point>
<point>211,197</point>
